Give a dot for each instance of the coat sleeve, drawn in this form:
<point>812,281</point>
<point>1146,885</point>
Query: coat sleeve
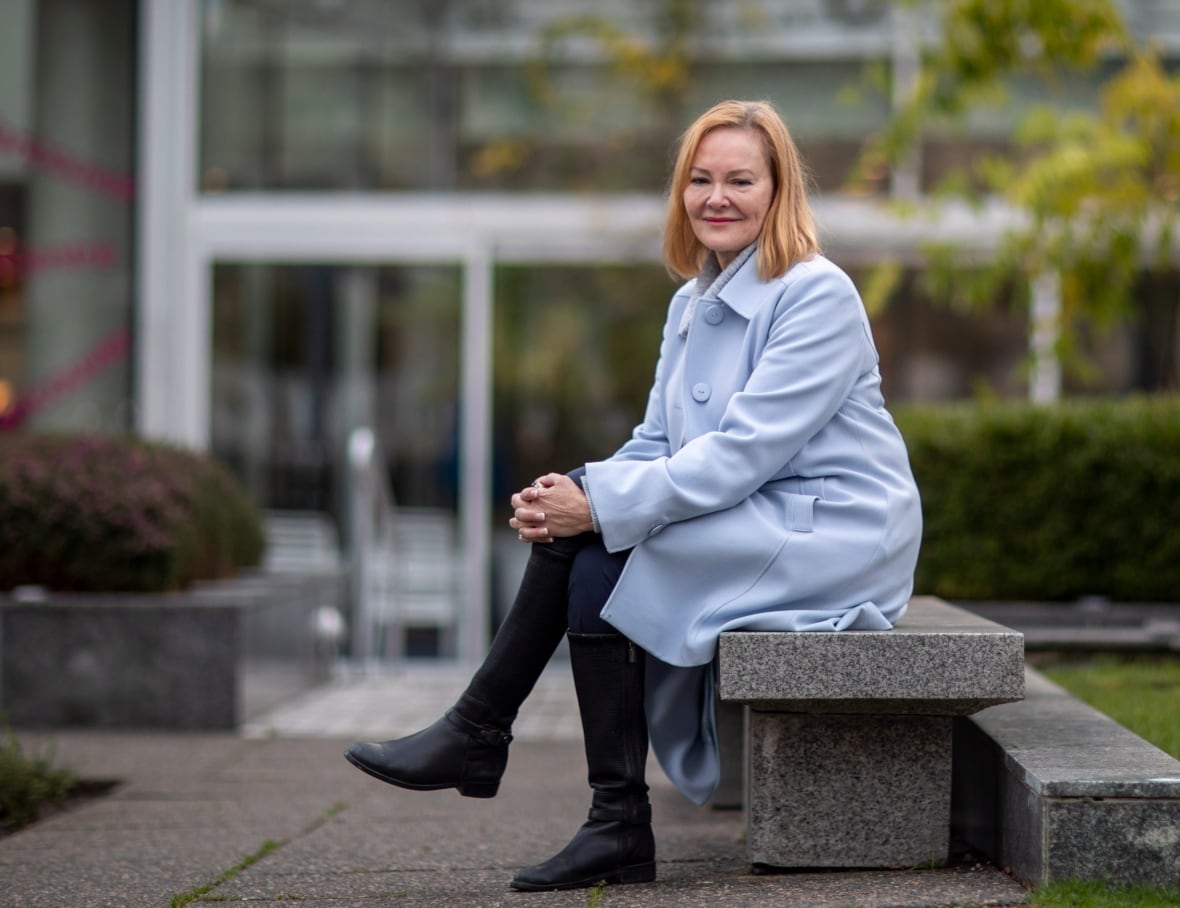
<point>816,347</point>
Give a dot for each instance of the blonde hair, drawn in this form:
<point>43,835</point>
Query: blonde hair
<point>788,234</point>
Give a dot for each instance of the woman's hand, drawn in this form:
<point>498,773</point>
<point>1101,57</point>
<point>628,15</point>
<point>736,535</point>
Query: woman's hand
<point>553,506</point>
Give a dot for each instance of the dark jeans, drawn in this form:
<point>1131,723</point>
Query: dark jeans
<point>593,576</point>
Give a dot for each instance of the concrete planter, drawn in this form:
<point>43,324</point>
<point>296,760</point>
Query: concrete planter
<point>207,658</point>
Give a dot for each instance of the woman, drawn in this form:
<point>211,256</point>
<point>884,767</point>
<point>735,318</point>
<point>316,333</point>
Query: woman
<point>767,488</point>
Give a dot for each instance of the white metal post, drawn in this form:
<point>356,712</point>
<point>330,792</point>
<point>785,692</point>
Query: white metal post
<point>476,452</point>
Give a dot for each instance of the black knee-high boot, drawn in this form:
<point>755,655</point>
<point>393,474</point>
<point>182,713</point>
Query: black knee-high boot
<point>615,844</point>
<point>467,748</point>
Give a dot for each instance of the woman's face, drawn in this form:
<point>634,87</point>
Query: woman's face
<point>729,191</point>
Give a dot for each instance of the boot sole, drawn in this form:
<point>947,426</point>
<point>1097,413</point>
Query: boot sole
<point>467,789</point>
<point>637,873</point>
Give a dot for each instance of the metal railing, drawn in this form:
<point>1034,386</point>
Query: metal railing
<point>405,564</point>
<point>372,600</point>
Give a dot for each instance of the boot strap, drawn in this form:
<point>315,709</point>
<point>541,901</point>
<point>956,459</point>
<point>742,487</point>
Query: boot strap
<point>635,813</point>
<point>488,734</point>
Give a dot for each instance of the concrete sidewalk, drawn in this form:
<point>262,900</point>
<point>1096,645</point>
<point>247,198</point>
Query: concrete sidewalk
<point>268,818</point>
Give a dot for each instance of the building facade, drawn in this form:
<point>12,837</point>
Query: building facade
<point>252,226</point>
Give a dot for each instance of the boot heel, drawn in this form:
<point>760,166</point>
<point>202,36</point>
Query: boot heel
<point>479,789</point>
<point>640,873</point>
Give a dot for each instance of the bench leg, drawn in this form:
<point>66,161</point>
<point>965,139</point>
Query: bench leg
<point>848,791</point>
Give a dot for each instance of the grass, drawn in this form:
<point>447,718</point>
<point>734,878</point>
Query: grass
<point>28,784</point>
<point>1141,693</point>
<point>594,896</point>
<point>203,891</point>
<point>184,898</point>
<point>1076,894</point>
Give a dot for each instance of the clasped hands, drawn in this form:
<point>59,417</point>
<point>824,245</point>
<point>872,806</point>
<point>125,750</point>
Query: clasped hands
<point>553,506</point>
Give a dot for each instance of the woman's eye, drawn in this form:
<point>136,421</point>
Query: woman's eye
<point>743,182</point>
<point>698,181</point>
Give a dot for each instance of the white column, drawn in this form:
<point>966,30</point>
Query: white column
<point>172,340</point>
<point>475,465</point>
<point>905,180</point>
<point>1044,380</point>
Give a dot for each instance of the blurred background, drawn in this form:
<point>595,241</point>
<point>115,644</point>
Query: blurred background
<point>257,227</point>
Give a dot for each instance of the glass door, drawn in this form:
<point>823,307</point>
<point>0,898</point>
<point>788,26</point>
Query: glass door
<point>303,354</point>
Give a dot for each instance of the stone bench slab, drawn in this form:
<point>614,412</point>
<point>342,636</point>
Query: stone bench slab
<point>939,660</point>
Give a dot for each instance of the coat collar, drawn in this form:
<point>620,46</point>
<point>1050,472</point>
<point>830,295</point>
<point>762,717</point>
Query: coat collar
<point>745,292</point>
<point>712,283</point>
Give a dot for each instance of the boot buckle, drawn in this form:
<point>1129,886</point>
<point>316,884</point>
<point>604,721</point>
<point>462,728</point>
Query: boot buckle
<point>494,736</point>
<point>488,734</point>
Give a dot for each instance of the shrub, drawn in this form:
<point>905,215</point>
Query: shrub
<point>27,783</point>
<point>1049,502</point>
<point>103,513</point>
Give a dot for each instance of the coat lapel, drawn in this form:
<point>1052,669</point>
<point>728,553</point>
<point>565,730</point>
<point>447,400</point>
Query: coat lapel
<point>745,293</point>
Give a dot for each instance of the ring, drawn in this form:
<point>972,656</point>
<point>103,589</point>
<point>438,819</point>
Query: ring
<point>536,483</point>
<point>520,536</point>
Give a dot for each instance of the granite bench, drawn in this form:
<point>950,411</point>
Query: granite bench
<point>848,736</point>
<point>1055,790</point>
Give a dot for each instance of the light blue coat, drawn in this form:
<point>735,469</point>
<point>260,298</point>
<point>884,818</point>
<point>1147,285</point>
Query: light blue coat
<point>767,488</point>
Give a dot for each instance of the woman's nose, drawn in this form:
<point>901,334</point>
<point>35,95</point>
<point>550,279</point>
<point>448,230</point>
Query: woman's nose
<point>717,197</point>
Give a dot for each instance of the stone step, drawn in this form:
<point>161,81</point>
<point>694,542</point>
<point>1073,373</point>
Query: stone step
<point>1055,790</point>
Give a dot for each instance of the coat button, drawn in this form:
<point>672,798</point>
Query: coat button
<point>701,392</point>
<point>715,315</point>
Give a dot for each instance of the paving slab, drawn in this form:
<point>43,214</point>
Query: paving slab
<point>272,818</point>
<point>387,704</point>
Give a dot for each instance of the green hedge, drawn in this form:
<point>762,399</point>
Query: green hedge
<point>103,513</point>
<point>1048,503</point>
